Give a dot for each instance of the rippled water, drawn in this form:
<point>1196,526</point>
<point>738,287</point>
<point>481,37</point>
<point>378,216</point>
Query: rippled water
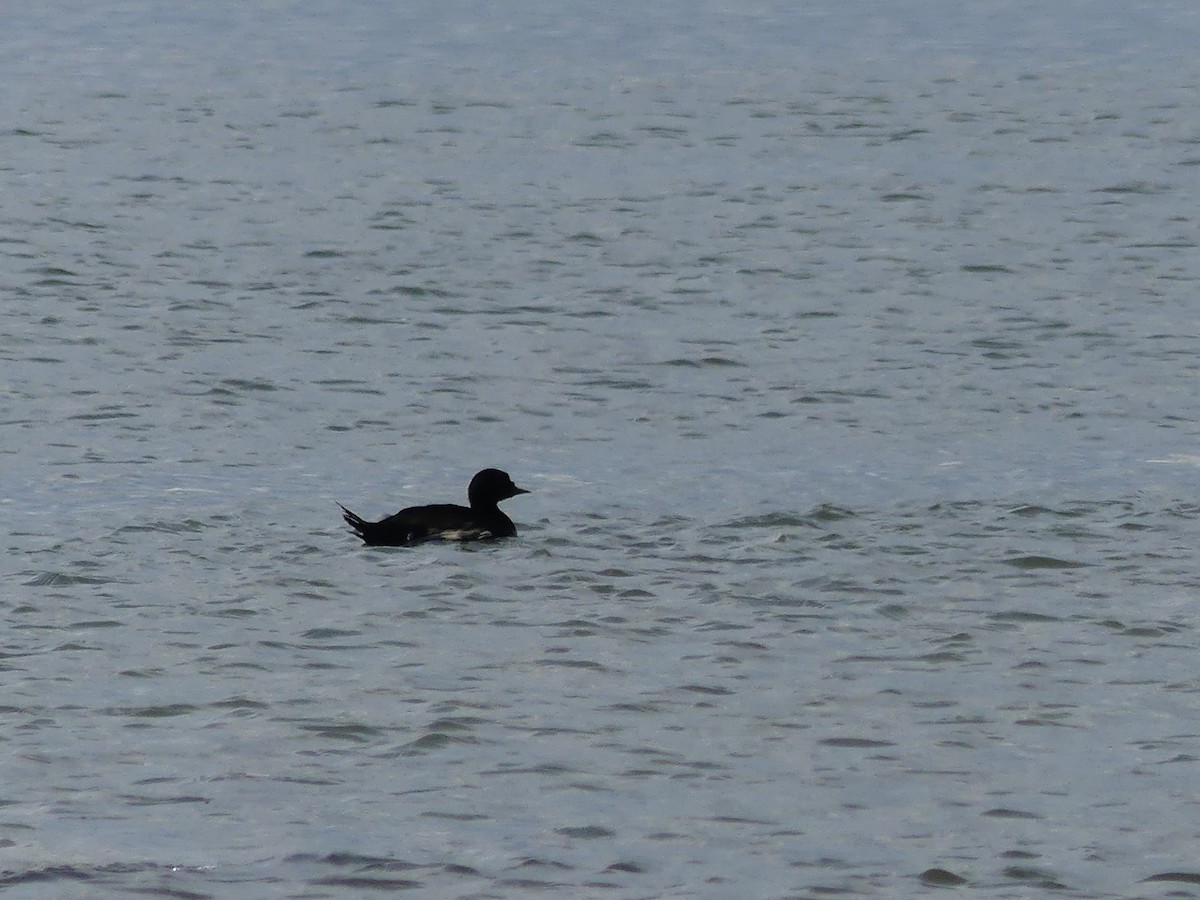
<point>851,359</point>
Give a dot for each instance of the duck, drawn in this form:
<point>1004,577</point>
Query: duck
<point>480,521</point>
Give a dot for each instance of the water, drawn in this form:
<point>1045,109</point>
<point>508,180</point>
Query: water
<point>850,355</point>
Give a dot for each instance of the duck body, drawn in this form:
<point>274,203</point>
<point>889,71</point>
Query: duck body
<point>482,520</point>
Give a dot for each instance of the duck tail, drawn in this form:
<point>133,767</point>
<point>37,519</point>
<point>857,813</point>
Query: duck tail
<point>358,524</point>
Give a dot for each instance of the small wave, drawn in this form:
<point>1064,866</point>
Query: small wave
<point>1034,561</point>
<point>62,579</point>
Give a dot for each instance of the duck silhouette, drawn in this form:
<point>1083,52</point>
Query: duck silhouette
<point>480,521</point>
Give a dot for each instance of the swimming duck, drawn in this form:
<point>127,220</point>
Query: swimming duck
<point>482,520</point>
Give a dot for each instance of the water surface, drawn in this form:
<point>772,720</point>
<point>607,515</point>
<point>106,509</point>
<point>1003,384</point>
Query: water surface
<point>850,356</point>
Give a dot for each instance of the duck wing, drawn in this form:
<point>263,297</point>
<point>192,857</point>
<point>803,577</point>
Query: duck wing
<point>439,521</point>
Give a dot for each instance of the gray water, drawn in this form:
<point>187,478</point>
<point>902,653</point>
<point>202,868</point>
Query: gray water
<point>850,354</point>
